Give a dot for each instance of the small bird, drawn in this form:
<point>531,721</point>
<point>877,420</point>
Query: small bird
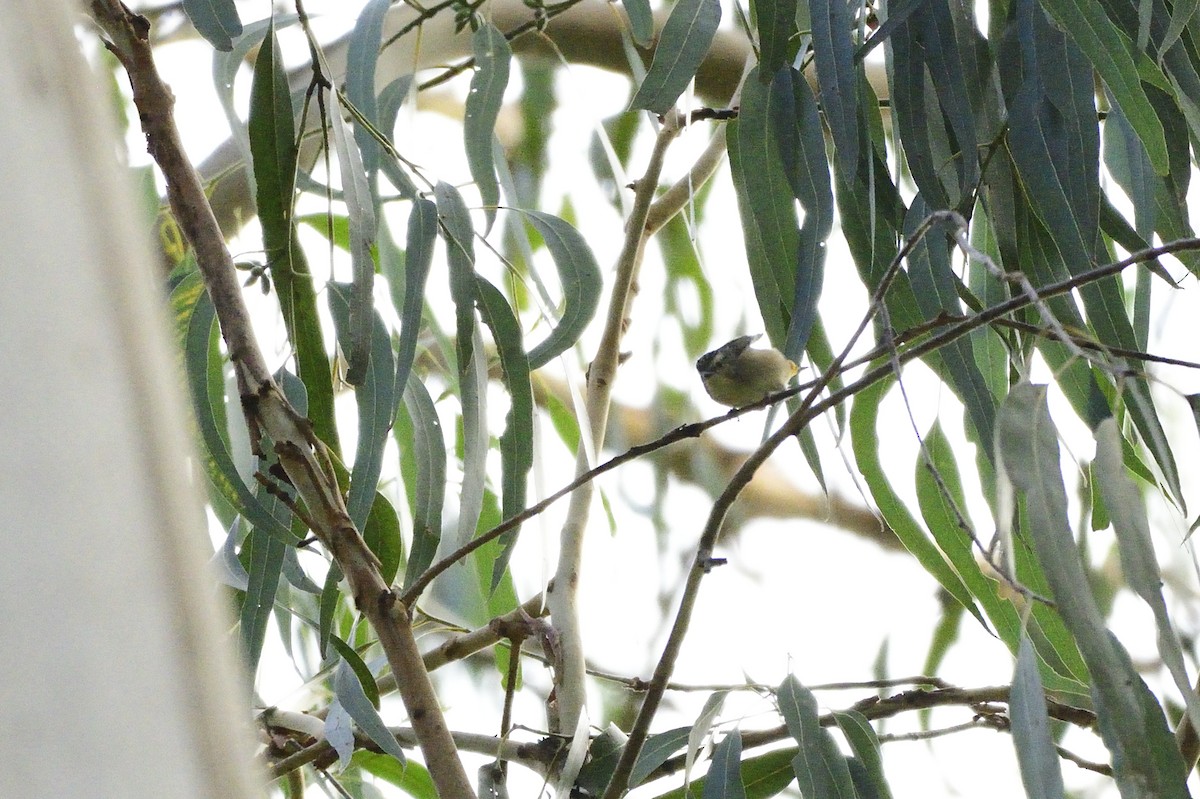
<point>736,375</point>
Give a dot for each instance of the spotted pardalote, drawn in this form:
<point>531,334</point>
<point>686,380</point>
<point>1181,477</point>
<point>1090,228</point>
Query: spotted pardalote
<point>736,374</point>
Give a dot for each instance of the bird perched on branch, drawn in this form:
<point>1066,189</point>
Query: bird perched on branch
<point>736,375</point>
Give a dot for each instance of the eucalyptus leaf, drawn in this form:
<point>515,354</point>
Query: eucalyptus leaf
<point>641,21</point>
<point>1132,724</point>
<point>579,276</point>
<point>766,205</point>
<point>865,745</point>
<point>1125,506</point>
<point>360,206</point>
<point>1122,68</point>
<point>215,20</point>
<point>516,442</point>
<point>492,60</point>
<point>776,21</point>
<point>459,235</point>
<point>1040,771</point>
<point>724,778</point>
<point>347,686</point>
<point>262,554</point>
<point>195,320</point>
<point>418,260</point>
<point>375,399</point>
<point>423,465</point>
<point>682,45</point>
<point>833,53</point>
<point>362,55</point>
<point>820,767</point>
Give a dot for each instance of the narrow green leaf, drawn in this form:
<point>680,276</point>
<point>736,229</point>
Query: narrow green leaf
<point>937,129</point>
<point>1121,67</point>
<point>939,512</point>
<point>492,59</point>
<point>331,598</point>
<point>458,233</point>
<point>360,206</point>
<point>229,569</point>
<point>768,774</point>
<point>641,21</point>
<point>516,442</point>
<point>724,778</point>
<point>389,102</point>
<point>870,207</point>
<point>423,467</point>
<point>763,776</point>
<point>366,679</point>
<point>864,743</point>
<point>1126,159</point>
<point>418,259</point>
<point>195,324</point>
<point>686,285</point>
<point>682,45</point>
<point>944,58</point>
<point>473,394</point>
<point>579,276</point>
<point>262,554</point>
<point>833,52</point>
<point>215,20</point>
<point>864,439</point>
<point>349,691</point>
<point>411,777</point>
<point>1181,14</point>
<point>776,22</point>
<point>812,455</point>
<point>296,577</point>
<point>820,767</point>
<point>1040,771</point>
<point>704,721</point>
<point>933,284</point>
<point>801,142</point>
<point>226,67</point>
<point>1055,144</point>
<point>657,749</point>
<point>766,205</point>
<point>943,636</point>
<point>382,536</point>
<point>1146,761</point>
<point>605,751</point>
<point>497,595</point>
<point>374,397</point>
<point>273,147</point>
<point>339,733</point>
<point>1127,509</point>
<point>272,143</point>
<point>988,346</point>
<point>362,54</point>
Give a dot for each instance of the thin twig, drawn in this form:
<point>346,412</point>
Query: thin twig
<point>537,23</point>
<point>874,708</point>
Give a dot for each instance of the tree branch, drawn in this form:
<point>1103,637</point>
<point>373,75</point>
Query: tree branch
<point>810,408</point>
<point>268,413</point>
<point>564,613</point>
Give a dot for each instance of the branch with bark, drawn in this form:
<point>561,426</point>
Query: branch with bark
<point>269,415</point>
